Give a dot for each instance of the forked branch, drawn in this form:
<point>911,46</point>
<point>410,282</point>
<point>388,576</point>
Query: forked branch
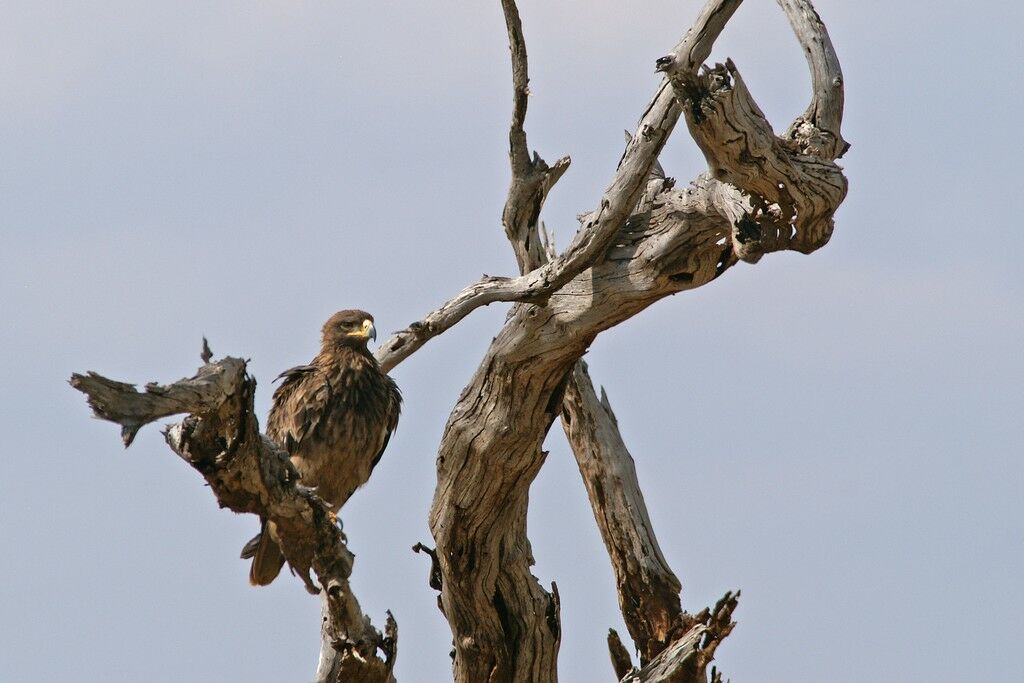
<point>670,241</point>
<point>645,240</point>
<point>248,472</point>
<point>505,625</point>
<point>600,226</point>
<point>687,659</point>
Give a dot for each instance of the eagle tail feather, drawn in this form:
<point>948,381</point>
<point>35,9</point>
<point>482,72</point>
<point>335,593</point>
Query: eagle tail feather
<point>267,558</point>
<point>249,549</point>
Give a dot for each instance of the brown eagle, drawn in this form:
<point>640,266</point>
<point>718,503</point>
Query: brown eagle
<point>334,417</point>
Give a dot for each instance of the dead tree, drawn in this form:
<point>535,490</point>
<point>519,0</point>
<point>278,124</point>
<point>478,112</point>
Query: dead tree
<point>645,240</point>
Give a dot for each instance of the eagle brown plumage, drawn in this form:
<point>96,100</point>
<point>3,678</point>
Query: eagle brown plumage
<point>334,417</point>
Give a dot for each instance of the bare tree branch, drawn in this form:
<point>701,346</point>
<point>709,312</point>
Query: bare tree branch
<point>646,240</point>
<point>532,179</point>
<point>622,663</point>
<point>519,153</point>
<point>793,195</point>
<point>792,183</point>
<point>649,598</point>
<point>600,225</point>
<point>648,590</point>
<point>818,130</point>
<point>695,47</point>
<point>248,472</point>
<point>491,447</point>
<point>686,660</point>
<point>505,625</point>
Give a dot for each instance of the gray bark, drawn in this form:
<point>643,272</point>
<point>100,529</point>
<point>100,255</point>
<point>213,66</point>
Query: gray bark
<point>648,589</point>
<point>248,472</point>
<point>646,240</point>
<point>672,240</point>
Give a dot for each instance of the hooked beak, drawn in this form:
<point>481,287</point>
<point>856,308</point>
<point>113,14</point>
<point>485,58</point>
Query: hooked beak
<point>365,331</point>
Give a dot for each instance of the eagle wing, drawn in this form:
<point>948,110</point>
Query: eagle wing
<point>335,418</point>
<point>394,409</point>
<point>301,403</point>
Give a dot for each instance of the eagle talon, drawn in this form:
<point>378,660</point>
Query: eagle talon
<point>336,521</point>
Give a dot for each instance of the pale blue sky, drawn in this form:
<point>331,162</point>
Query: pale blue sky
<point>837,435</point>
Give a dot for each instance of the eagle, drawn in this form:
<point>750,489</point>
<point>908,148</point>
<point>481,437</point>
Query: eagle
<point>334,417</point>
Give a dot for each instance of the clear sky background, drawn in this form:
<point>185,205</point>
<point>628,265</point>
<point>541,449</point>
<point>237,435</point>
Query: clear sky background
<point>837,435</point>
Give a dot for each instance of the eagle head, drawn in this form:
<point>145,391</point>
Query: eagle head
<point>349,328</point>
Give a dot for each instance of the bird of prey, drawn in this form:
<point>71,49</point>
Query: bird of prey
<point>334,417</point>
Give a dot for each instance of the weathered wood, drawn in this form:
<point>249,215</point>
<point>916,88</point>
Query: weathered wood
<point>505,625</point>
<point>648,590</point>
<point>695,47</point>
<point>794,194</point>
<point>792,184</point>
<point>817,130</point>
<point>502,620</point>
<point>532,178</point>
<point>649,599</point>
<point>646,240</point>
<point>248,472</point>
<point>599,227</point>
<point>687,658</point>
<point>622,663</point>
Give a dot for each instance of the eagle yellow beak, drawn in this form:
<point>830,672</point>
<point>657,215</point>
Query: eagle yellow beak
<point>367,331</point>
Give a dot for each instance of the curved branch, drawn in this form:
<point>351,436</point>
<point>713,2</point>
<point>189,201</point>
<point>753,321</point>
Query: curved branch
<point>793,195</point>
<point>818,129</point>
<point>793,185</point>
<point>505,626</point>
<point>600,226</point>
<point>248,472</point>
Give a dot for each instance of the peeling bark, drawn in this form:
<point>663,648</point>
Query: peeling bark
<point>247,472</point>
<point>648,590</point>
<point>687,658</point>
<point>671,241</point>
<point>646,240</point>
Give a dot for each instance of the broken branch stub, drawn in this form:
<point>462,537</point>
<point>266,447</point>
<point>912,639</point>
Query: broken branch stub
<point>248,472</point>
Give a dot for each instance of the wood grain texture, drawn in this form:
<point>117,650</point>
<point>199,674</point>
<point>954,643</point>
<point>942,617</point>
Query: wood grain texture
<point>647,239</point>
<point>247,472</point>
<point>817,130</point>
<point>599,226</point>
<point>505,625</point>
<point>648,590</point>
<point>687,659</point>
<point>671,241</point>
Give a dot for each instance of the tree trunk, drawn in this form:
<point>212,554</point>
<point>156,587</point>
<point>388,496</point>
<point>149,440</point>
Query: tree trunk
<point>646,240</point>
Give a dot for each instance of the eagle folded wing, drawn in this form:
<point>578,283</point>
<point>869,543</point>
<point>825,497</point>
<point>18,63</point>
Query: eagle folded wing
<point>301,403</point>
<point>394,409</point>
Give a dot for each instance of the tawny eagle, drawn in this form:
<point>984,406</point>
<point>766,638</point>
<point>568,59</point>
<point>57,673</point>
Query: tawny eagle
<point>334,417</point>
